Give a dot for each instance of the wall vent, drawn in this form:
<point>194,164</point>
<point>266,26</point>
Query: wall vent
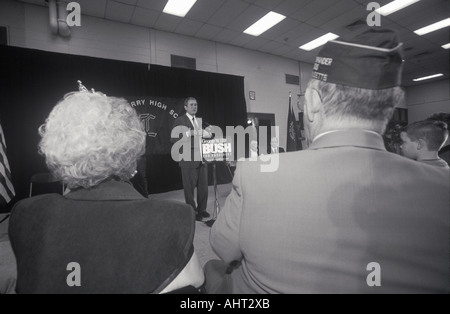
<point>183,62</point>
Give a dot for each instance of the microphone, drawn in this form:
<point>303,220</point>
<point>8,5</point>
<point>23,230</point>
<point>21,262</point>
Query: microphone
<point>205,124</point>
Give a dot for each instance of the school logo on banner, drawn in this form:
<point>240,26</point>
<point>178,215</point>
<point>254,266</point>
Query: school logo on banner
<point>157,115</point>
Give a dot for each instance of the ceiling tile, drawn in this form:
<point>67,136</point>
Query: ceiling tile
<point>270,46</point>
<point>157,5</point>
<point>293,54</point>
<point>208,31</point>
<point>340,22</point>
<point>303,33</point>
<point>312,34</point>
<point>228,12</point>
<point>269,5</point>
<point>256,43</point>
<point>420,18</point>
<point>227,35</point>
<point>167,22</point>
<point>331,12</point>
<point>144,17</point>
<point>288,7</point>
<point>278,32</point>
<point>241,40</point>
<point>313,8</point>
<point>204,9</point>
<point>410,67</point>
<point>415,10</point>
<point>93,8</point>
<point>247,18</point>
<point>130,2</point>
<point>439,38</point>
<point>282,49</point>
<point>188,27</point>
<point>119,12</point>
<point>366,2</point>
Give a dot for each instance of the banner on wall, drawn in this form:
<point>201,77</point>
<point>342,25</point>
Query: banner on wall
<point>157,115</point>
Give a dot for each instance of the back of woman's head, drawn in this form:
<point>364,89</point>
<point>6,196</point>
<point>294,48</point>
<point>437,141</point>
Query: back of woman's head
<point>89,138</point>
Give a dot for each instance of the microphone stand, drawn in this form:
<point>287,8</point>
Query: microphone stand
<point>210,223</point>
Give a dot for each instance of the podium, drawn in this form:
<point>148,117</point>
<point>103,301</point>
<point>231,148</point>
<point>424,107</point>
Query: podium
<point>216,150</point>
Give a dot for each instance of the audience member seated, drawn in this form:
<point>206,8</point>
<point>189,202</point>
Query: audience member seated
<point>274,148</point>
<point>444,153</point>
<point>422,141</point>
<point>103,236</point>
<point>254,150</point>
<point>345,215</point>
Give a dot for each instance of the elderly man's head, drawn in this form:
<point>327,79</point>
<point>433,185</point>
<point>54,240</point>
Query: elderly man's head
<point>355,84</point>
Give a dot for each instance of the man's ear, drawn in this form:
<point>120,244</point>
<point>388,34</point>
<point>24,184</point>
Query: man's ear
<point>313,104</point>
<point>421,144</point>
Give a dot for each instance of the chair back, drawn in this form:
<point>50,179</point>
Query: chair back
<point>42,183</point>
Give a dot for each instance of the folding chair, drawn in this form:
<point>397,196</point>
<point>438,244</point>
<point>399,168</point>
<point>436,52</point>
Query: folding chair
<point>48,181</point>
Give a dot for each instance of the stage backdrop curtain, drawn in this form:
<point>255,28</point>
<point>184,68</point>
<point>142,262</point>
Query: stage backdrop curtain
<point>33,81</point>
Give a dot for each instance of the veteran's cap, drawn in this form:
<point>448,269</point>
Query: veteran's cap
<point>371,60</point>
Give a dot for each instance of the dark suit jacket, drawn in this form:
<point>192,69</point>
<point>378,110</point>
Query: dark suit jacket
<point>315,224</point>
<point>123,242</point>
<point>444,154</point>
<point>194,142</point>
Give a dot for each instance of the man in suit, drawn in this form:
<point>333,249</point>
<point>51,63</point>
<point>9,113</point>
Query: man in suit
<point>345,215</point>
<point>194,170</point>
<point>274,148</point>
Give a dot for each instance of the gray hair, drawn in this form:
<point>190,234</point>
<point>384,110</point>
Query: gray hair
<point>374,107</point>
<point>89,138</point>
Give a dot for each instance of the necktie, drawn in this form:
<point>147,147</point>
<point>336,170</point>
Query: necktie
<point>195,123</point>
<point>199,139</point>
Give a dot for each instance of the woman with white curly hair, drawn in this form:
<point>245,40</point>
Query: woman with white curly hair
<point>102,236</point>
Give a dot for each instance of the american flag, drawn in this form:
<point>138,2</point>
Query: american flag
<point>6,188</point>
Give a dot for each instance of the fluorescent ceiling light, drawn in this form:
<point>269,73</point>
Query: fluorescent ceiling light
<point>179,7</point>
<point>433,27</point>
<point>266,22</point>
<point>446,46</point>
<point>319,42</point>
<point>395,6</point>
<point>428,77</point>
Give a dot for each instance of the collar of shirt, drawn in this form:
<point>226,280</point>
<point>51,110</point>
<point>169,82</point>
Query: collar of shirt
<point>190,119</point>
<point>189,116</point>
<point>344,130</point>
<point>349,137</point>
